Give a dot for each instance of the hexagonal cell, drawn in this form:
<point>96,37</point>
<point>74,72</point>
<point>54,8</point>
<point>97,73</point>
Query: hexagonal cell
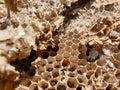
<point>74,59</point>
<point>91,66</point>
<point>53,81</point>
<point>33,87</point>
<point>61,87</point>
<point>68,43</point>
<point>65,62</point>
<point>101,62</point>
<point>55,73</point>
<point>68,49</point>
<point>49,67</point>
<point>72,74</point>
<point>72,67</point>
<point>82,79</point>
<point>82,62</point>
<point>74,47</point>
<point>89,74</point>
<point>74,52</point>
<point>59,57</point>
<point>42,62</point>
<point>81,70</point>
<point>72,83</point>
<point>109,78</point>
<point>75,41</point>
<point>60,52</point>
<point>50,60</point>
<point>66,54</point>
<point>47,76</point>
<point>43,84</point>
<point>57,64</point>
<point>76,36</point>
<point>36,79</point>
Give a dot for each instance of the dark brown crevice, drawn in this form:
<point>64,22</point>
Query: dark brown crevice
<point>24,66</point>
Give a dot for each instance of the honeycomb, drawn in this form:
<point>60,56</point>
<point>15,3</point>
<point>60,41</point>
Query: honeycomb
<point>81,54</point>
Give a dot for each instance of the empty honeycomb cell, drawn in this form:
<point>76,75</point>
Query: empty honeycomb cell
<point>55,73</point>
<point>47,76</point>
<point>109,78</point>
<point>111,87</point>
<point>69,43</point>
<point>69,38</point>
<point>81,70</point>
<point>53,81</point>
<point>61,87</point>
<point>75,31</point>
<point>82,79</point>
<point>74,47</point>
<point>75,41</point>
<point>89,74</point>
<point>70,33</point>
<point>101,62</point>
<point>82,62</point>
<point>57,64</point>
<point>33,87</point>
<point>72,74</point>
<point>72,67</point>
<point>43,84</point>
<point>59,57</point>
<point>66,55</point>
<point>117,74</point>
<point>68,49</point>
<point>49,67</point>
<point>74,59</point>
<point>65,62</point>
<point>26,82</point>
<point>76,36</point>
<point>72,83</point>
<point>74,53</point>
<point>91,66</point>
<point>50,60</point>
<point>60,52</point>
<point>36,79</point>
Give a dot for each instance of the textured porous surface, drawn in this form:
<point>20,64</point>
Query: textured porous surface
<point>61,45</point>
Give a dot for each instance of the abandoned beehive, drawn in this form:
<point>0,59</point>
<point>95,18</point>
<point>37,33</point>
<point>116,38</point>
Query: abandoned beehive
<point>61,45</point>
